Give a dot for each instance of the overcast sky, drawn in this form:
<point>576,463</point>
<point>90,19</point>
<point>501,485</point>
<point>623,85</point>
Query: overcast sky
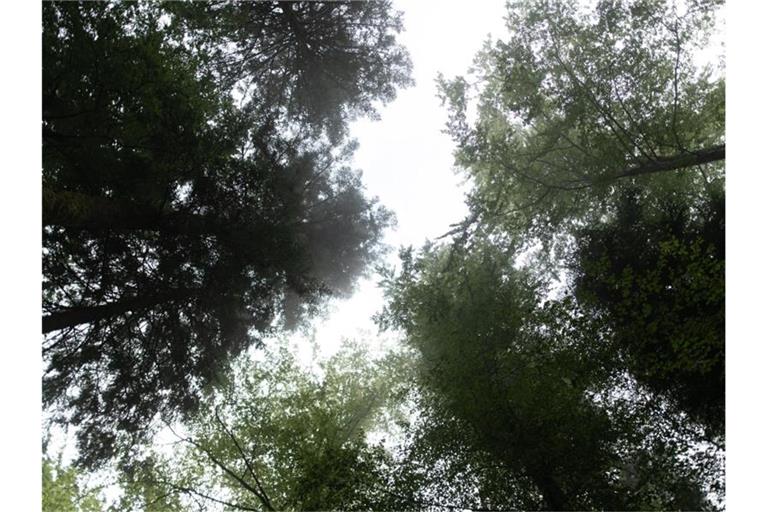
<point>406,161</point>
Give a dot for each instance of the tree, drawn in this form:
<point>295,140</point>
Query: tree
<point>180,227</point>
<point>599,147</point>
<point>518,402</point>
<point>575,105</point>
<point>279,437</point>
<point>315,64</point>
<point>64,491</point>
<point>656,277</point>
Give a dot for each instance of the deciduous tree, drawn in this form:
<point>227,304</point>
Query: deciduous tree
<point>574,105</point>
<point>520,400</point>
<point>280,437</point>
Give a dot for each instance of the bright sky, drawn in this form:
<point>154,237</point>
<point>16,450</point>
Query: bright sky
<point>406,161</point>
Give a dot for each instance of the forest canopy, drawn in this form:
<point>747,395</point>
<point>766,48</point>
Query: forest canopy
<point>182,224</point>
<point>562,347</point>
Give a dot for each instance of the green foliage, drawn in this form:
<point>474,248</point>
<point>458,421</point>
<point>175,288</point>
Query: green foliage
<point>575,105</point>
<point>657,279</point>
<point>198,197</point>
<point>63,490</point>
<point>181,225</point>
<point>282,438</point>
<point>308,64</point>
<point>482,364</point>
<point>519,394</point>
<point>597,153</point>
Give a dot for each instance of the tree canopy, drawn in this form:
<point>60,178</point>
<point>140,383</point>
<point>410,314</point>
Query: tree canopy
<point>527,387</point>
<point>571,333</point>
<point>576,104</point>
<point>562,348</point>
<point>598,149</point>
<point>181,224</point>
<point>283,437</point>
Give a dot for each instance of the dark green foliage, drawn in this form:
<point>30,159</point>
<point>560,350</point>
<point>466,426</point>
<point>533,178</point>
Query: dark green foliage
<point>656,277</point>
<point>517,392</point>
<point>314,64</point>
<point>179,225</point>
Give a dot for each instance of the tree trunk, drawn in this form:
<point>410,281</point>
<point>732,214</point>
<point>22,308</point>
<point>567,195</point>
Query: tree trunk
<point>78,315</point>
<point>671,163</point>
<point>554,496</point>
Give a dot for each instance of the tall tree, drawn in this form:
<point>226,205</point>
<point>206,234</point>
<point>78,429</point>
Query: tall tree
<point>518,395</point>
<point>179,227</point>
<point>574,105</point>
<point>280,437</point>
<point>656,277</point>
<point>300,61</point>
<point>599,146</point>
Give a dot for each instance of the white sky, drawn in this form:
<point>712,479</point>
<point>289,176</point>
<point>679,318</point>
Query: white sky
<point>406,161</point>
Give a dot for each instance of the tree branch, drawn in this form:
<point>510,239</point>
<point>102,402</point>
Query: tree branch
<point>263,496</point>
<point>672,163</point>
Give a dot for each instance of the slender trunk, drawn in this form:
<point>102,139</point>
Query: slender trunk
<point>553,495</point>
<point>78,315</point>
<point>671,163</point>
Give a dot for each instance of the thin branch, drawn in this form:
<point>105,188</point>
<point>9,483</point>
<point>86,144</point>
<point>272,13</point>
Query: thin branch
<point>607,116</point>
<point>263,497</point>
<point>189,490</point>
<point>225,468</point>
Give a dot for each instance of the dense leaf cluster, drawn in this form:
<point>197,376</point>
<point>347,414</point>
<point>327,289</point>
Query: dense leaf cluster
<point>181,223</point>
<point>658,280</point>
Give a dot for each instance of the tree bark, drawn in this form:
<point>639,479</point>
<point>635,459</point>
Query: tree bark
<point>78,315</point>
<point>671,163</point>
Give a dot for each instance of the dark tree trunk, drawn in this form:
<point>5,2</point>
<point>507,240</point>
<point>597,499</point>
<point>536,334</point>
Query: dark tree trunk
<point>554,496</point>
<point>671,163</point>
<point>78,315</point>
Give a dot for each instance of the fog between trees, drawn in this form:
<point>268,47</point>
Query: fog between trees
<point>562,347</point>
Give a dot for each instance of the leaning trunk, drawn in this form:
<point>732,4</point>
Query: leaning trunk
<point>671,163</point>
<point>78,315</point>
